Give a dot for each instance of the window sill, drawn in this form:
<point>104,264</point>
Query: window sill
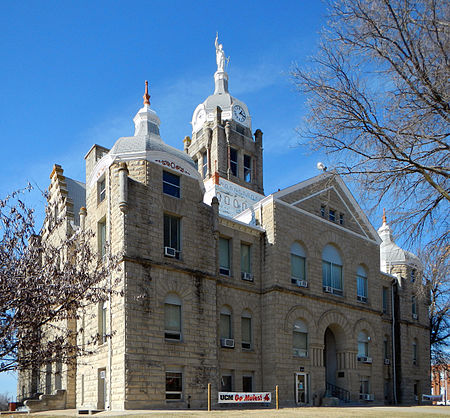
<point>173,341</point>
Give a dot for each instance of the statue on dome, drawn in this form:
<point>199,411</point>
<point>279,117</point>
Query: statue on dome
<point>220,55</point>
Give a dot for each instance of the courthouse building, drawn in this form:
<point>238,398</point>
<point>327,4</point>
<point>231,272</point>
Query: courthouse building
<point>223,284</point>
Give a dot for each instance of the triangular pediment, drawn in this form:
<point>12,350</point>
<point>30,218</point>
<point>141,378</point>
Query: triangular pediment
<point>327,197</point>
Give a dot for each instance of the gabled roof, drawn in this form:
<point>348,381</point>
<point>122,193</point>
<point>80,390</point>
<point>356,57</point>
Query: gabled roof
<point>334,182</point>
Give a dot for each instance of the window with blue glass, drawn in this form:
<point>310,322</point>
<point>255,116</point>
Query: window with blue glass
<point>171,184</point>
<point>361,284</point>
<point>331,270</point>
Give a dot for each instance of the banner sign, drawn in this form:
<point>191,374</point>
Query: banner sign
<point>244,397</point>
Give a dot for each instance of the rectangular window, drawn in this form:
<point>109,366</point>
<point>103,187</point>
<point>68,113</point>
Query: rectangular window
<point>247,383</point>
<point>245,262</point>
<point>332,215</point>
<point>322,211</point>
<point>414,354</point>
<point>172,240</point>
<point>205,164</point>
<point>300,343</point>
<point>101,190</point>
<point>297,267</point>
<point>386,348</point>
<point>332,277</point>
<point>224,256</point>
<point>171,184</point>
<point>385,300</point>
<point>413,275</point>
<point>102,313</point>
<point>226,383</point>
<point>414,307</point>
<point>361,288</point>
<point>247,168</point>
<point>101,228</point>
<point>174,386</point>
<point>364,385</point>
<point>246,329</point>
<point>341,219</point>
<point>234,161</point>
<point>225,326</point>
<point>172,321</point>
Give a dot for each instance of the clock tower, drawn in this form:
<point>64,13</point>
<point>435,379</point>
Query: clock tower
<point>222,143</point>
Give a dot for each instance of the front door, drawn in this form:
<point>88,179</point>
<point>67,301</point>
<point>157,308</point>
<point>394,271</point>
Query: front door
<point>301,388</point>
<point>101,389</point>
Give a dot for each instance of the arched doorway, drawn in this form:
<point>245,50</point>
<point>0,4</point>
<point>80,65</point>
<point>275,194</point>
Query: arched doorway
<point>330,356</point>
<point>333,360</point>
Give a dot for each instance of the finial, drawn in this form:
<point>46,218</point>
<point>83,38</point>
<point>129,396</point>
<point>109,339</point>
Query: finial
<point>384,216</point>
<point>146,96</point>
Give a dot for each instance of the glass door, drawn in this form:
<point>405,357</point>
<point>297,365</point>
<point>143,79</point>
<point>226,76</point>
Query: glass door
<point>301,388</point>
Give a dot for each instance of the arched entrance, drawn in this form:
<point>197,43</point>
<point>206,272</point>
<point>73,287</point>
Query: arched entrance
<point>333,360</point>
<point>330,357</point>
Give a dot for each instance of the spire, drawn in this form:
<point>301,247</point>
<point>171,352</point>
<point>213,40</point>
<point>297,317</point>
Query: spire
<point>146,96</point>
<point>384,216</point>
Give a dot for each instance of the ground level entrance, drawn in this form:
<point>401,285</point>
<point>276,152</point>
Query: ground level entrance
<point>302,388</point>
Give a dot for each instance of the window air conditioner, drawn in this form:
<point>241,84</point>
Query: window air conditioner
<point>302,283</point>
<point>300,352</point>
<point>227,342</point>
<point>366,396</point>
<point>224,271</point>
<point>170,252</point>
<point>368,360</point>
<point>414,315</point>
<point>247,276</point>
<point>387,362</point>
<point>327,289</point>
<point>362,298</point>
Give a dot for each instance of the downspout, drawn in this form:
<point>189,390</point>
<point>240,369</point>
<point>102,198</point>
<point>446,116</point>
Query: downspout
<point>109,297</point>
<point>394,373</point>
<point>123,206</point>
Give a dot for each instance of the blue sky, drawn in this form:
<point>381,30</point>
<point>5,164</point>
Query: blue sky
<point>73,75</point>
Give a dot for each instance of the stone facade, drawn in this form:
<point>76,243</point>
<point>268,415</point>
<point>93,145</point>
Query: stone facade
<point>243,302</point>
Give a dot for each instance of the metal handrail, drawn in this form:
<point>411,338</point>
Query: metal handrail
<point>337,392</point>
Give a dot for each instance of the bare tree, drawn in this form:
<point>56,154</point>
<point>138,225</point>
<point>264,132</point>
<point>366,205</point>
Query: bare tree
<point>379,98</point>
<point>44,286</point>
<point>436,278</point>
<point>4,401</point>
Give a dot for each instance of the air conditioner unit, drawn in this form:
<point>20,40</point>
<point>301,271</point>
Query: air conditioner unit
<point>170,252</point>
<point>247,276</point>
<point>327,289</point>
<point>224,271</point>
<point>302,283</point>
<point>367,396</point>
<point>368,360</point>
<point>364,359</point>
<point>415,316</point>
<point>227,342</point>
<point>387,362</point>
<point>299,352</point>
<point>361,298</point>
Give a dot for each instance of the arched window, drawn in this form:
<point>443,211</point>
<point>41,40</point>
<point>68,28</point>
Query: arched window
<point>298,265</point>
<point>246,329</point>
<point>363,347</point>
<point>414,351</point>
<point>226,331</point>
<point>361,284</point>
<point>300,339</point>
<point>331,270</point>
<point>172,317</point>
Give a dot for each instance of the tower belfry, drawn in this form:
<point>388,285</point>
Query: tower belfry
<point>222,142</point>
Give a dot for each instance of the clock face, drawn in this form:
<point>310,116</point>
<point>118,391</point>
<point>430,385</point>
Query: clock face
<point>239,113</point>
<point>201,116</point>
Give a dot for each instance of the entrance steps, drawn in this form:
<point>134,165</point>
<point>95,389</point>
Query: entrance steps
<point>57,400</point>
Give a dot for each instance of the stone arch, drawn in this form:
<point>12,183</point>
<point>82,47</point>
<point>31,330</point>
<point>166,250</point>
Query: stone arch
<point>179,287</point>
<point>363,324</point>
<point>334,319</point>
<point>299,311</point>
